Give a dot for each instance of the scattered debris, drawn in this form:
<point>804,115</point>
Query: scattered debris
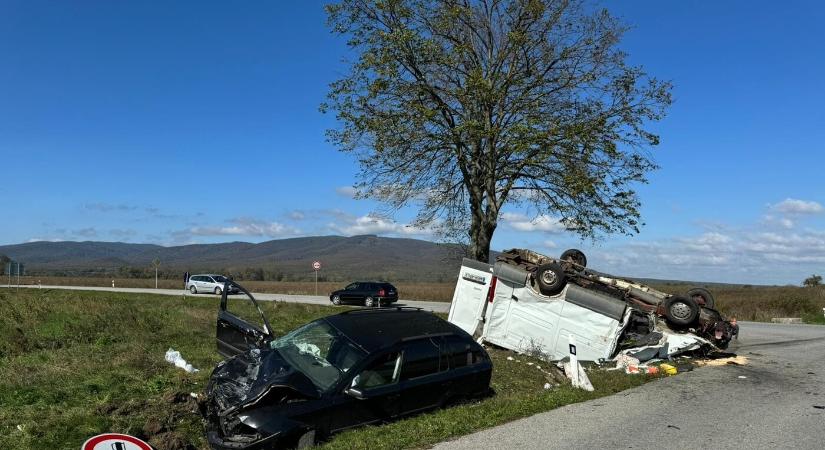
<point>733,360</point>
<point>21,428</point>
<point>510,358</point>
<point>173,356</point>
<point>550,386</point>
<point>674,426</point>
<point>668,369</point>
<point>742,377</point>
<point>815,406</point>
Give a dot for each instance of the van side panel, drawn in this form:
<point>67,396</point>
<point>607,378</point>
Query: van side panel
<point>470,296</point>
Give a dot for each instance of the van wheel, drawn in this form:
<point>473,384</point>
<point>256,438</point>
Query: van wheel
<point>336,300</point>
<point>681,310</point>
<point>217,291</point>
<point>574,256</point>
<point>306,440</point>
<point>551,278</point>
<point>369,302</point>
<point>193,289</point>
<point>699,293</point>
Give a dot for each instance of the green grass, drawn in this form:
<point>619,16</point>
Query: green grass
<point>74,364</point>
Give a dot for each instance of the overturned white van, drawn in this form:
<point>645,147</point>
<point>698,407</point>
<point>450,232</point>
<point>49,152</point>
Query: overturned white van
<point>502,304</point>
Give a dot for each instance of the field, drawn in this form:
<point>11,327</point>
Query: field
<point>745,302</point>
<point>75,363</point>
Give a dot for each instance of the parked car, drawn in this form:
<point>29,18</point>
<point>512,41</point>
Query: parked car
<point>367,293</point>
<point>335,373</point>
<point>530,302</point>
<point>208,283</point>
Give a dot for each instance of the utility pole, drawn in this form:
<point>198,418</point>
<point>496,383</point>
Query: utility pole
<point>156,263</point>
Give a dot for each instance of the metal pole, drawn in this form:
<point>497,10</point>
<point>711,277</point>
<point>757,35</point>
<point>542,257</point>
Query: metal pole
<point>316,281</point>
<point>156,277</point>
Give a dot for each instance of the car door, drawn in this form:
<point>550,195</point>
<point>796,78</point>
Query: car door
<point>425,378</point>
<point>241,323</point>
<point>349,293</point>
<point>372,395</point>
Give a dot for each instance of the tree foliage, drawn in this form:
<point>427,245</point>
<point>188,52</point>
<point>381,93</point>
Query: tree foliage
<point>812,281</point>
<point>464,106</point>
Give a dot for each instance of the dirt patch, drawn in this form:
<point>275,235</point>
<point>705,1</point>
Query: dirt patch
<point>170,441</point>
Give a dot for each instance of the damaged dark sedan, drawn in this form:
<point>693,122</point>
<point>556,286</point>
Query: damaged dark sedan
<point>332,374</point>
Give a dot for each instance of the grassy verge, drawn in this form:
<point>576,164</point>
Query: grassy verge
<point>74,364</point>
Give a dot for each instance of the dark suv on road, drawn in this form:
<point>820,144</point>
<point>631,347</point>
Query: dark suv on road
<point>367,293</point>
<point>359,367</point>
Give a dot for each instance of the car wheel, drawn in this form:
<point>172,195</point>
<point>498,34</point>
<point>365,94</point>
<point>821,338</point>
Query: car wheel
<point>336,300</point>
<point>551,278</point>
<point>369,302</point>
<point>574,256</point>
<point>681,310</point>
<point>217,291</point>
<point>703,295</point>
<point>193,289</point>
<point>306,440</point>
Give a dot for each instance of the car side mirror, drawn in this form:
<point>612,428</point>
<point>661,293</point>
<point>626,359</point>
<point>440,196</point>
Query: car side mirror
<point>355,393</point>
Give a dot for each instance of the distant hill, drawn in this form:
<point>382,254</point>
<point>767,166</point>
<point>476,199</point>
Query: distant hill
<point>342,258</point>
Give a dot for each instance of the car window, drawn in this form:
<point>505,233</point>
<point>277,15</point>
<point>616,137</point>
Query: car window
<point>460,352</point>
<point>219,279</point>
<point>351,287</point>
<point>421,358</point>
<point>381,372</point>
<point>242,307</point>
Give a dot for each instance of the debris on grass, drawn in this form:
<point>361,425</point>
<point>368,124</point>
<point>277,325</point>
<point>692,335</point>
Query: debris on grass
<point>173,356</point>
<point>732,360</point>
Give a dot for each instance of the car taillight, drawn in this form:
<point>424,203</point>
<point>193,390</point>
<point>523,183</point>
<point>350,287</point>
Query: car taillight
<point>492,292</point>
<point>381,293</point>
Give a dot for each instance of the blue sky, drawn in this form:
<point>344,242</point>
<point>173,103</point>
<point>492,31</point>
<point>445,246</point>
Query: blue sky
<point>181,122</point>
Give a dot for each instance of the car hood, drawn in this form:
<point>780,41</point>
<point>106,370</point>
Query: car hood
<point>250,377</point>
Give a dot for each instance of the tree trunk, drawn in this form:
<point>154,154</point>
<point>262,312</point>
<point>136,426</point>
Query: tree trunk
<point>481,235</point>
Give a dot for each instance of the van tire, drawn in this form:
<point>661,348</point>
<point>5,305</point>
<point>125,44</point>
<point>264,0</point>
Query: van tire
<point>193,289</point>
<point>550,278</point>
<point>574,256</point>
<point>681,310</point>
<point>705,295</point>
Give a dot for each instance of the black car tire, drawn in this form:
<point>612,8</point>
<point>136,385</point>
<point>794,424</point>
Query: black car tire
<point>369,302</point>
<point>574,256</point>
<point>307,440</point>
<point>551,278</point>
<point>193,289</point>
<point>705,295</point>
<point>681,310</point>
<point>336,300</point>
<point>217,291</point>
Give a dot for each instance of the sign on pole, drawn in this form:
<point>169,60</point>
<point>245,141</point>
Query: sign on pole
<point>316,265</point>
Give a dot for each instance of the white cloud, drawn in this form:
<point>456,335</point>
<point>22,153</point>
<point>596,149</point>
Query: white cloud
<point>297,215</point>
<point>797,207</point>
<point>244,226</point>
<point>543,223</point>
<point>346,191</point>
<point>351,226</point>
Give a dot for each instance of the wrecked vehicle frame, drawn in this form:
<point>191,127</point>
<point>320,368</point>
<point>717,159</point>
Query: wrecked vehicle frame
<point>341,371</point>
<point>532,303</point>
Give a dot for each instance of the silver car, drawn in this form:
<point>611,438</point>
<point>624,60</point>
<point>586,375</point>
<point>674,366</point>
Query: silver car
<point>208,283</point>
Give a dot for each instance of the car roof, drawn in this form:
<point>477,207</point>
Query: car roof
<point>373,329</point>
<point>373,282</point>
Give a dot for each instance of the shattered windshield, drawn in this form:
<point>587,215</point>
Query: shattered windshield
<point>318,350</point>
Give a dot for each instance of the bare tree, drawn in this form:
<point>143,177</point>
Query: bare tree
<point>461,107</point>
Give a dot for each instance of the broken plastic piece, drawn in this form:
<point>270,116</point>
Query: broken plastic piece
<point>173,356</point>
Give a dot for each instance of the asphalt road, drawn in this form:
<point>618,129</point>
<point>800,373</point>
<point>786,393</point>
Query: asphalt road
<point>769,403</point>
<point>312,299</point>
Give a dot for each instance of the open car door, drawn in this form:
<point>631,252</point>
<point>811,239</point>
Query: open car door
<point>241,323</point>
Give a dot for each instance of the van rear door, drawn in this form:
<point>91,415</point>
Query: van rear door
<point>470,296</point>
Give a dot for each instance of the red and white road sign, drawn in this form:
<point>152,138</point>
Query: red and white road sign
<point>316,265</point>
<point>115,441</point>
